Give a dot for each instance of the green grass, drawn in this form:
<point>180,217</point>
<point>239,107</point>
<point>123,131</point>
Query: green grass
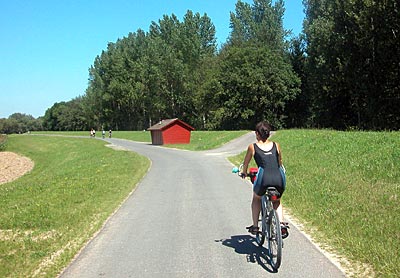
<point>345,187</point>
<point>206,140</point>
<point>140,136</point>
<point>50,213</point>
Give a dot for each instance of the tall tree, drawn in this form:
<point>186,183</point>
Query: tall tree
<point>255,71</point>
<point>257,84</point>
<point>260,23</point>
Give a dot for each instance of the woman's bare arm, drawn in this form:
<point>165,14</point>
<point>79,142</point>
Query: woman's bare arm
<point>279,154</point>
<point>247,158</point>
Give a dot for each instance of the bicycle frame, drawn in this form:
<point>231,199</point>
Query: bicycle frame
<point>267,208</point>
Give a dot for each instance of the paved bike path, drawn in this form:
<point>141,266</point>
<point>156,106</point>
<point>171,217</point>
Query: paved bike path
<point>187,218</point>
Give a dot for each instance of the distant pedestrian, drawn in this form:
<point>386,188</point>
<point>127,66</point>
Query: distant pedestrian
<point>94,133</point>
<point>103,133</point>
<point>91,132</point>
<point>109,133</point>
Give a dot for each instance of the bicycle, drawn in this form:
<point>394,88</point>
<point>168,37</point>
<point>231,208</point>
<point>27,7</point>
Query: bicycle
<point>270,224</point>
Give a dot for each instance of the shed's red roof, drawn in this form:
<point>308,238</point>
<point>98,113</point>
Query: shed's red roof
<point>164,124</point>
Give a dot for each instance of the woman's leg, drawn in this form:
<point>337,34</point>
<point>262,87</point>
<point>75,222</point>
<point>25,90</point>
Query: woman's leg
<point>279,210</point>
<point>255,209</point>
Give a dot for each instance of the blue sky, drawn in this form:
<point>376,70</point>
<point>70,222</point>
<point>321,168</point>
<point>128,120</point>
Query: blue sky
<point>48,46</point>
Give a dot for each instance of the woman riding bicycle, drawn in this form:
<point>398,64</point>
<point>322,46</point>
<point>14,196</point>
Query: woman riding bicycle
<point>268,157</point>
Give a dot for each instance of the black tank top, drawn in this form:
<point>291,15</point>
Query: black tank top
<point>266,159</point>
<point>269,162</point>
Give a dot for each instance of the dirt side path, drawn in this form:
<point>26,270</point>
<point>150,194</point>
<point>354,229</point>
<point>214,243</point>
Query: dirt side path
<point>13,166</point>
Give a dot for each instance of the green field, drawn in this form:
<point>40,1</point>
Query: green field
<point>343,186</point>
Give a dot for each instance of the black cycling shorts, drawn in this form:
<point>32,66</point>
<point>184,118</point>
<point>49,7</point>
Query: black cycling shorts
<point>269,178</point>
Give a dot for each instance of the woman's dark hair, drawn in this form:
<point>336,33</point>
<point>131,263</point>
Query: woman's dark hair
<point>263,129</point>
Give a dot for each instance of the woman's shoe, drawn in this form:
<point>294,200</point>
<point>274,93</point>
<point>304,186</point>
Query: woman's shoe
<point>252,229</point>
<point>284,230</point>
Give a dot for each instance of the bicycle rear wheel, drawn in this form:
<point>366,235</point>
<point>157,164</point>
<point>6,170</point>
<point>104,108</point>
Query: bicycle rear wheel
<point>274,240</point>
<point>260,237</point>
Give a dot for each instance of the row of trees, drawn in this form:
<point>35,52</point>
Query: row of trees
<point>342,72</point>
<point>175,70</point>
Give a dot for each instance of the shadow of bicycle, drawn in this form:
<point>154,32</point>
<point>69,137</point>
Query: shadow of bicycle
<point>247,245</point>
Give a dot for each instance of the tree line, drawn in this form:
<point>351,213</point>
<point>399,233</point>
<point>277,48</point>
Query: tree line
<point>20,123</point>
<point>351,72</point>
<point>341,72</point>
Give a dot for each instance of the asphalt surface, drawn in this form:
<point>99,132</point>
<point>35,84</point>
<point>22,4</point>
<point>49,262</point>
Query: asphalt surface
<point>187,218</point>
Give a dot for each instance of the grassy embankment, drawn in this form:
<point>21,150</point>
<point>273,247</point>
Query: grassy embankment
<point>345,188</point>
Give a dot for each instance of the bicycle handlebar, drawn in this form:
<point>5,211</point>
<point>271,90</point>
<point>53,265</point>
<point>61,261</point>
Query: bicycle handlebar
<point>253,171</point>
<point>252,174</point>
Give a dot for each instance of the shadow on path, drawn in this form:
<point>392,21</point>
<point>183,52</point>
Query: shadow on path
<point>247,245</point>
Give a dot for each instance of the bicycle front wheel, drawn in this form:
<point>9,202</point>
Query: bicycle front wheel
<point>274,240</point>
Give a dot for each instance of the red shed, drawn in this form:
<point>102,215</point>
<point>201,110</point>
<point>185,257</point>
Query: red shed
<point>171,131</point>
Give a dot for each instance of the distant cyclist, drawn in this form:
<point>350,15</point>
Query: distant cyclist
<point>268,157</point>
